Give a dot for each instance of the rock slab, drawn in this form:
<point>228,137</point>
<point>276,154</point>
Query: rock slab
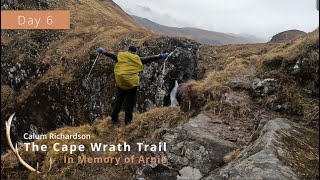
<point>280,150</point>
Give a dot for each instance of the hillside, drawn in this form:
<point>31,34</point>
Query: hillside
<point>247,111</point>
<point>202,36</point>
<point>48,67</point>
<point>248,97</point>
<point>287,36</point>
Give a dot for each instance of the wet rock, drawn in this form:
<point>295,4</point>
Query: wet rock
<point>4,7</point>
<point>305,72</point>
<point>297,68</point>
<point>196,144</point>
<point>282,150</point>
<point>193,150</point>
<point>233,99</point>
<point>237,85</point>
<point>159,172</point>
<point>189,173</point>
<point>30,5</point>
<point>181,67</point>
<point>264,87</point>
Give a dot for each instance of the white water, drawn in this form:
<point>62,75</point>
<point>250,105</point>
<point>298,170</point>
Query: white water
<point>173,95</point>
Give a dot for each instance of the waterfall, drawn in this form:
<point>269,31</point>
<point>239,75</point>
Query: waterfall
<point>173,95</point>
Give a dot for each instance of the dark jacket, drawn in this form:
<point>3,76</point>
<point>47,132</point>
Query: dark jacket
<point>144,60</point>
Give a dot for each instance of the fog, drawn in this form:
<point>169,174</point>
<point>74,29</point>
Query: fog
<point>262,18</point>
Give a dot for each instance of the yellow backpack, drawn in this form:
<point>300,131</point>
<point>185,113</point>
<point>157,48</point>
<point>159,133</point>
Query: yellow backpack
<point>127,70</point>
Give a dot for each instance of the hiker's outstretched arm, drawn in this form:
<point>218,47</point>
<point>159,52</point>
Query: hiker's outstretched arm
<point>149,59</point>
<point>112,56</point>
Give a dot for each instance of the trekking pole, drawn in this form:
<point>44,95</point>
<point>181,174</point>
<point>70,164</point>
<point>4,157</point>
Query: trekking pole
<point>164,69</point>
<point>93,65</point>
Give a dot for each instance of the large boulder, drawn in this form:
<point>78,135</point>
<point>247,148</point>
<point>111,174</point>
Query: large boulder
<point>280,149</point>
<point>197,144</point>
<point>194,149</point>
<point>189,173</point>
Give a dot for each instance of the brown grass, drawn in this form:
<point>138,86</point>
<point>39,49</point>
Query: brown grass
<point>292,51</point>
<point>223,64</point>
<point>236,62</point>
<point>276,63</point>
<point>95,24</point>
<point>146,127</point>
<point>233,155</point>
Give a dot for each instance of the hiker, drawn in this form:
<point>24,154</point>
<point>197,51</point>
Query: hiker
<point>126,71</point>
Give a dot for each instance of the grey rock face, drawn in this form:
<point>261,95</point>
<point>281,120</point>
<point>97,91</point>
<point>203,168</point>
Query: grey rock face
<point>189,173</point>
<point>29,5</point>
<point>305,72</point>
<point>281,150</point>
<point>181,67</point>
<point>197,145</point>
<point>195,149</point>
<point>56,103</point>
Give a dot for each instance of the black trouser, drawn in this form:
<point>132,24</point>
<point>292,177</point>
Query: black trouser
<point>129,99</point>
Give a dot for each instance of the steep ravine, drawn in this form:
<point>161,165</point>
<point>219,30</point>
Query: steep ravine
<point>43,71</point>
<point>55,104</point>
<point>246,111</point>
<point>226,135</point>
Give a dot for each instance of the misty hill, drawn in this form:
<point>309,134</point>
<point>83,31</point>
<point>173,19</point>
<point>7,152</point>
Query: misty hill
<point>202,36</point>
<point>249,37</point>
<point>287,36</point>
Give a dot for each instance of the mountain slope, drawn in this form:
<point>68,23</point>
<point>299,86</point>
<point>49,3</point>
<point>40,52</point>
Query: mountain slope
<point>202,36</point>
<point>44,74</point>
<point>50,66</point>
<point>226,94</point>
<point>219,115</point>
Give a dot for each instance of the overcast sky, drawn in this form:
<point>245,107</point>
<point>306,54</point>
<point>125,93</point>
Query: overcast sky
<point>262,18</point>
